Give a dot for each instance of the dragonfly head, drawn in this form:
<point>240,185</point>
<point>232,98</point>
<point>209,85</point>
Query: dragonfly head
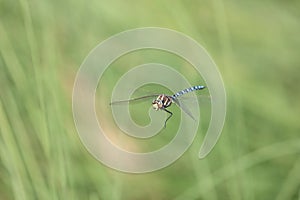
<point>156,104</point>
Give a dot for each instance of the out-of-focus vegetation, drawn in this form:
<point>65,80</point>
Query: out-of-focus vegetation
<point>256,46</point>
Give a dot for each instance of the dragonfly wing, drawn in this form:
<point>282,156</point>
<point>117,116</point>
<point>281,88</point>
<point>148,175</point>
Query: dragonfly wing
<point>134,99</point>
<point>184,108</point>
<point>201,97</point>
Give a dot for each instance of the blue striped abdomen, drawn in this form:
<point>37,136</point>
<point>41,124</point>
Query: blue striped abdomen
<point>182,92</point>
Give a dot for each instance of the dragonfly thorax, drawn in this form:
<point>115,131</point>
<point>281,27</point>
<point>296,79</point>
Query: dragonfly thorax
<point>161,102</point>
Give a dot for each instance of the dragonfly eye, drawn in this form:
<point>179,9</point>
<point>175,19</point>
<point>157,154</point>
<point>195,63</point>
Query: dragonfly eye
<point>155,105</point>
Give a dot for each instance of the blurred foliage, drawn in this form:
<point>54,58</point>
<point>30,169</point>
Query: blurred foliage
<point>256,46</point>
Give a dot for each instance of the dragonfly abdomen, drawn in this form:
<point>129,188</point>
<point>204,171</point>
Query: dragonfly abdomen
<point>182,92</point>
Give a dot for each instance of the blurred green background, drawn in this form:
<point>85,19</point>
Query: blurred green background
<point>256,46</point>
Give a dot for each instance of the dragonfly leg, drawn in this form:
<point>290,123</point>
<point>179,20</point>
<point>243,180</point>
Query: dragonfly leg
<point>168,117</point>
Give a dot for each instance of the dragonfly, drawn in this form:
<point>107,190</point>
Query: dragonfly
<point>163,101</point>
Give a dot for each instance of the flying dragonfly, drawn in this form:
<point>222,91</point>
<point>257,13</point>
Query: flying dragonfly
<point>162,101</point>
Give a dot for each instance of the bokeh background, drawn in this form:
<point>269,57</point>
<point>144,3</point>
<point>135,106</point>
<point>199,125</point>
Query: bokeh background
<point>256,46</point>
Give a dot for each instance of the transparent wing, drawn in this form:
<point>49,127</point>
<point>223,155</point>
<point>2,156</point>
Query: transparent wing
<point>183,108</point>
<point>134,99</point>
<point>201,97</point>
